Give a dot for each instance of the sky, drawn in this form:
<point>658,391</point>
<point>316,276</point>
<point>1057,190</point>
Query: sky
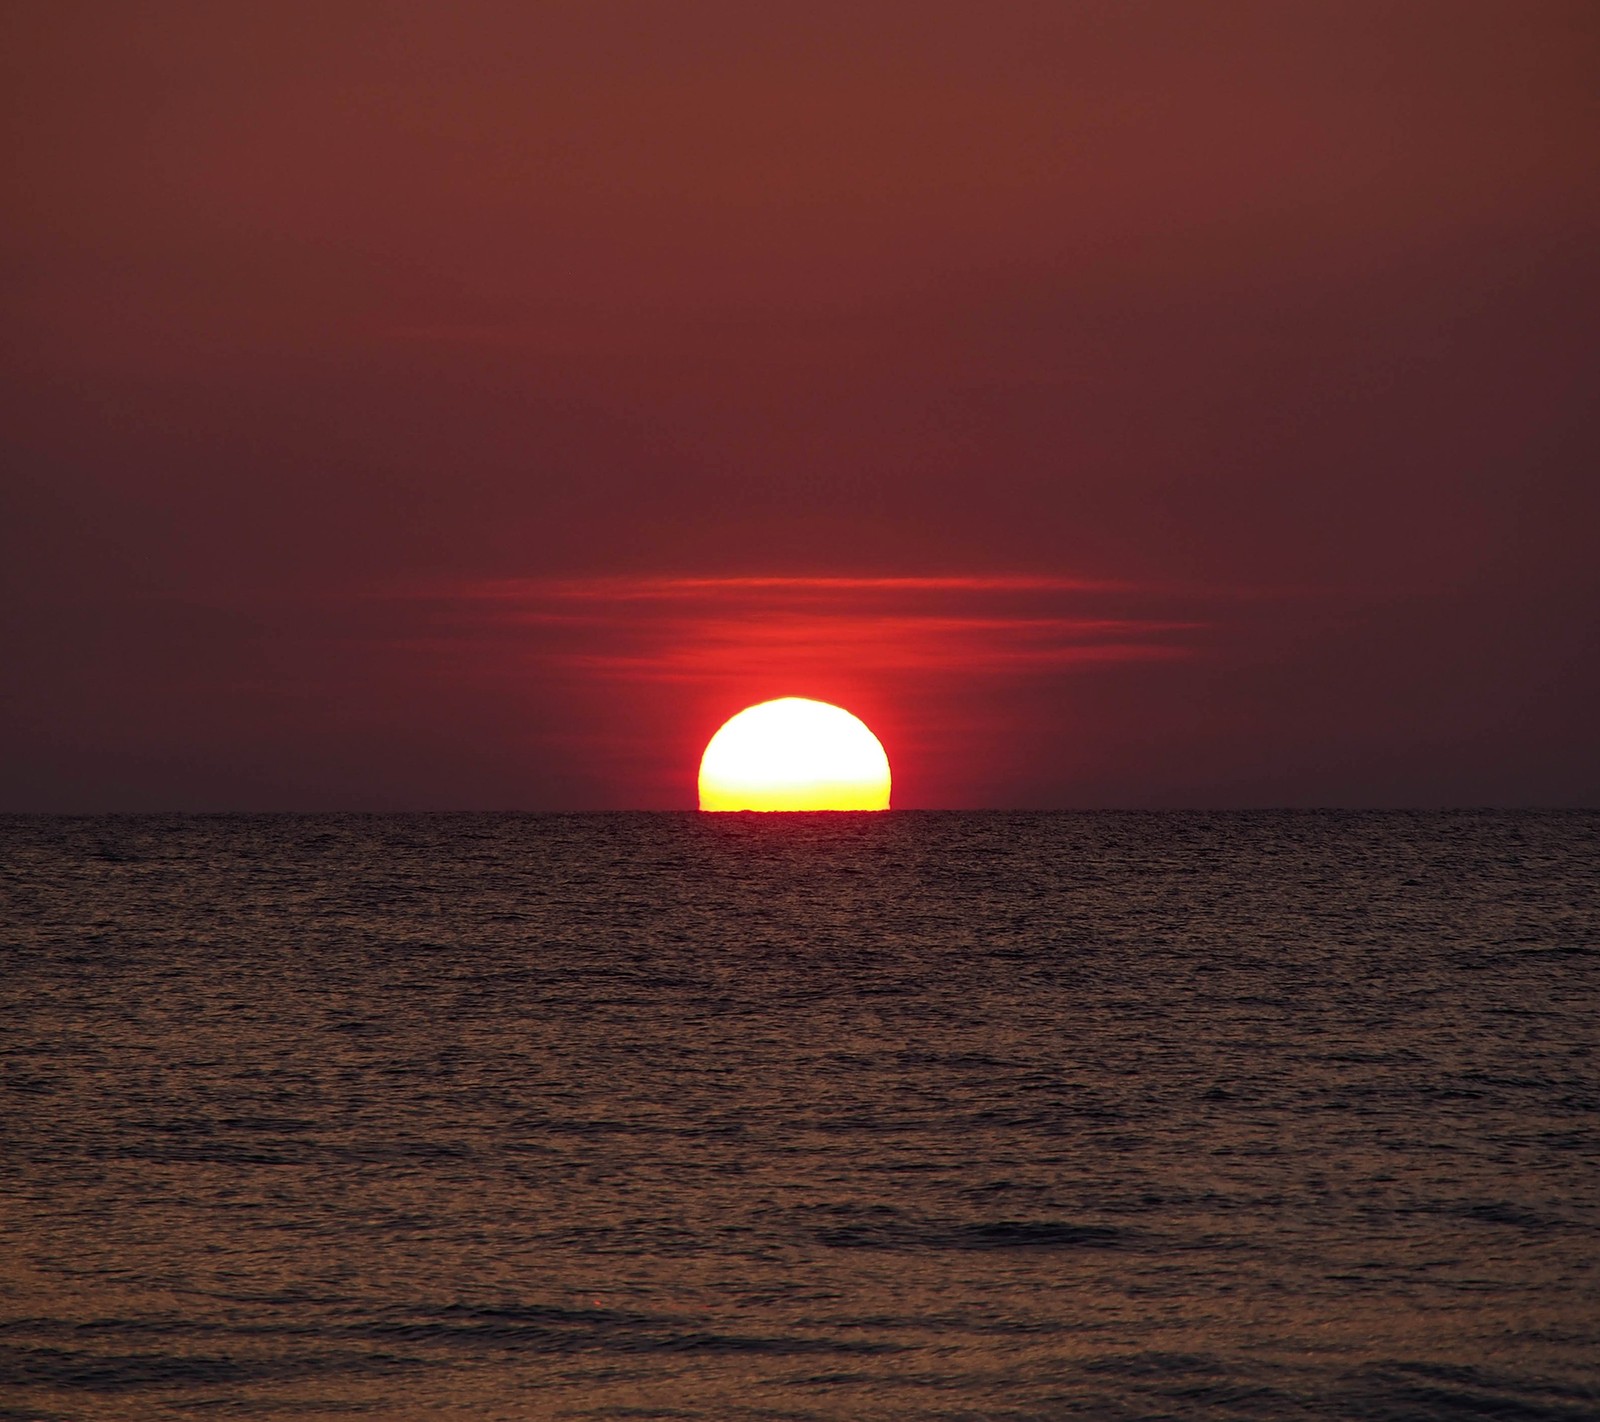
<point>471,406</point>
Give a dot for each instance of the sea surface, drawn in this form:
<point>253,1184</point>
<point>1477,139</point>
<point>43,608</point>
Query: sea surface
<point>801,1117</point>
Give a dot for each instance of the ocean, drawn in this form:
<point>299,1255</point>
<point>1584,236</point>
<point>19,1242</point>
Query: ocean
<point>801,1117</point>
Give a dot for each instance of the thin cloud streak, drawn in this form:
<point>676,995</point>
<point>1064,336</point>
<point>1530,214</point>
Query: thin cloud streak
<point>780,629</point>
<point>646,589</point>
<point>729,663</point>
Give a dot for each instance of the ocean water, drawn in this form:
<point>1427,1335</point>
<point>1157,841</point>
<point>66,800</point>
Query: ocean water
<point>912,1116</point>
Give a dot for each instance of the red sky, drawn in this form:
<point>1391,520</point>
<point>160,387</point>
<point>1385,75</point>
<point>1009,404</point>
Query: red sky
<point>471,405</point>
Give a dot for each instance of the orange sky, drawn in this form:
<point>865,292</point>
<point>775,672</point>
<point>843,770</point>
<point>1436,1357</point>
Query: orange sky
<point>470,406</point>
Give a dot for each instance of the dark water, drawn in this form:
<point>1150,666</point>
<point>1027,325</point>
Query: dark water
<point>801,1117</point>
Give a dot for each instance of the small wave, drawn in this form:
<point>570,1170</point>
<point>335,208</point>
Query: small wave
<point>984,1234</point>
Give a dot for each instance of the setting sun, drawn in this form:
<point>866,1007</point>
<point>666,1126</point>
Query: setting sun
<point>794,754</point>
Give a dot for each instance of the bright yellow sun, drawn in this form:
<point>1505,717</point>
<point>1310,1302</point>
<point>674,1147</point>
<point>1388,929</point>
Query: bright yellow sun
<point>794,754</point>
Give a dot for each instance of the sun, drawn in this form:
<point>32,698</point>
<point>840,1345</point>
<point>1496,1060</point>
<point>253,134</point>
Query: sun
<point>794,754</point>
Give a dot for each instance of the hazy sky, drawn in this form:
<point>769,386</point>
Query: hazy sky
<point>471,405</point>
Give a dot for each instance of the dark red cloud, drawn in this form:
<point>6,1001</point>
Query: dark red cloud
<point>1253,343</point>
